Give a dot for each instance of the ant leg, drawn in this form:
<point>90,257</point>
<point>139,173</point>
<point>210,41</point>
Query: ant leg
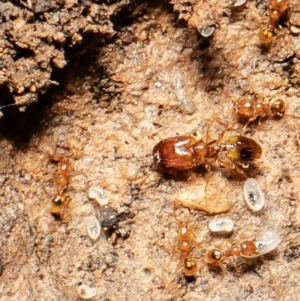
<point>207,135</point>
<point>248,122</point>
<point>232,166</point>
<point>221,136</point>
<point>226,164</point>
<point>207,174</point>
<point>175,207</point>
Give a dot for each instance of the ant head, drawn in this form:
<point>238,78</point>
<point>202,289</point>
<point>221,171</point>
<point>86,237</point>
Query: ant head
<point>278,108</point>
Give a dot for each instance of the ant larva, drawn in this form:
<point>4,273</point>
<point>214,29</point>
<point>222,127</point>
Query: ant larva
<point>61,181</point>
<point>253,195</point>
<point>276,9</point>
<point>244,251</point>
<point>185,152</point>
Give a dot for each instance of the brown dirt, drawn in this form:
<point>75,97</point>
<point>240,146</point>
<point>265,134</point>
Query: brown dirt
<point>136,74</point>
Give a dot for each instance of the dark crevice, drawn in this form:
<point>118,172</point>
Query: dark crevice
<point>83,68</point>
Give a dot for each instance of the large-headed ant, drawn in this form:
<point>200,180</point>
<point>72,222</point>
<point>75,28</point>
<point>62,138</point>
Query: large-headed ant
<point>185,152</point>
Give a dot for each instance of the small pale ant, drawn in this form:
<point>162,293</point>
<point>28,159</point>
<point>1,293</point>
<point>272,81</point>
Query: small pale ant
<point>61,181</point>
<point>276,9</point>
<point>252,109</point>
<point>186,242</point>
<point>247,249</point>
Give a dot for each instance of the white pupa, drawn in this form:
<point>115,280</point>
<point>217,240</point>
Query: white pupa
<point>93,227</point>
<point>221,225</point>
<point>254,197</point>
<point>98,193</point>
<point>266,243</point>
<point>86,292</point>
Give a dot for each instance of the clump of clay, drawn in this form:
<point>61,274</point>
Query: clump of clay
<point>194,197</point>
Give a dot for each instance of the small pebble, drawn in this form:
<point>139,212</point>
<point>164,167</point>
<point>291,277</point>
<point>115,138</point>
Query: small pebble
<point>254,197</point>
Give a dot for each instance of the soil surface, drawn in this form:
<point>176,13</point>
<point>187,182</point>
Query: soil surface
<point>101,83</point>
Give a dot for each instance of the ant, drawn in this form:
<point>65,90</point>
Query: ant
<point>185,152</point>
<point>248,249</point>
<point>61,199</point>
<point>252,109</point>
<point>186,242</point>
<point>276,9</point>
<point>240,255</point>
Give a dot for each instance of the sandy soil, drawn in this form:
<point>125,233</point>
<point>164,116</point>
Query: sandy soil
<point>122,89</point>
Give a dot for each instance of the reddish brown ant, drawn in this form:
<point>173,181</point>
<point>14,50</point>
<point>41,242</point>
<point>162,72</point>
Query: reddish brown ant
<point>251,109</point>
<point>185,152</point>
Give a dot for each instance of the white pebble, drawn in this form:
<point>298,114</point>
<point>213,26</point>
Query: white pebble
<point>239,3</point>
<point>86,292</point>
<point>221,225</point>
<point>93,227</point>
<point>254,197</point>
<point>267,242</point>
<point>98,193</point>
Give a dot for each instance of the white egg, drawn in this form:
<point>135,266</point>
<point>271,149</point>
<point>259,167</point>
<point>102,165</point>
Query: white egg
<point>207,31</point>
<point>239,3</point>
<point>221,225</point>
<point>98,193</point>
<point>86,292</point>
<point>254,197</point>
<point>93,227</point>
